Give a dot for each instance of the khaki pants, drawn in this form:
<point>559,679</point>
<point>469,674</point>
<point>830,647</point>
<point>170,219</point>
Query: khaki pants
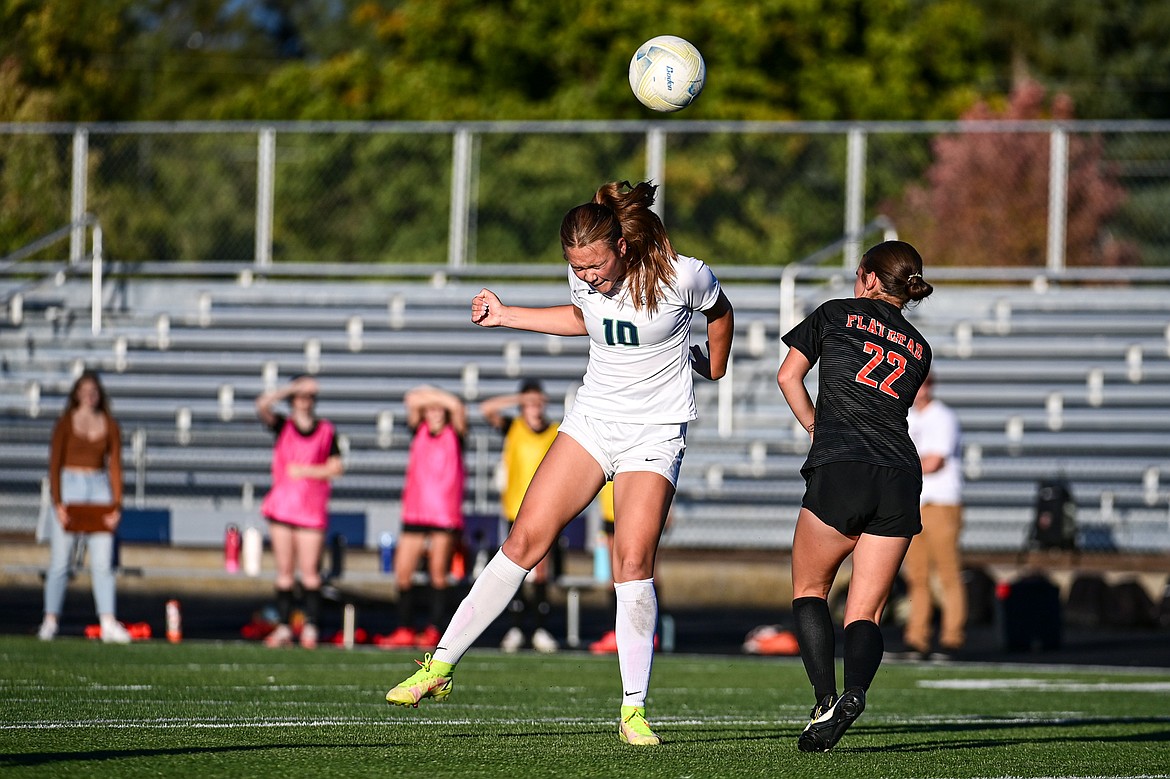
<point>936,549</point>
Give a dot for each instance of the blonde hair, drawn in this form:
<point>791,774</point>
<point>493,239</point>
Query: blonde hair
<point>622,210</point>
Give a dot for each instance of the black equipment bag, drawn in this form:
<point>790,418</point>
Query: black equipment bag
<point>1030,614</point>
<point>1055,523</point>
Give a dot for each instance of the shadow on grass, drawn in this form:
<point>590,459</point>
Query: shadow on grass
<point>98,755</point>
<point>89,756</point>
<point>1033,737</point>
<point>940,728</point>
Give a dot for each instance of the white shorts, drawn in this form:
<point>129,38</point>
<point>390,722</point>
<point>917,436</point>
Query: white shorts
<point>621,447</point>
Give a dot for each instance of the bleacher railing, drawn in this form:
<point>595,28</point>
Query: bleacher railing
<point>14,265</point>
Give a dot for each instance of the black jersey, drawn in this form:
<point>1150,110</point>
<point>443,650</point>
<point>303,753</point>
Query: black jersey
<point>872,364</point>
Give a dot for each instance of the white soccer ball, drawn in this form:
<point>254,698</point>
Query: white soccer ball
<point>667,73</point>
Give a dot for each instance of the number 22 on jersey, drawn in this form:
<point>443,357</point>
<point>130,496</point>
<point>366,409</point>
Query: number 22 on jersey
<point>897,359</point>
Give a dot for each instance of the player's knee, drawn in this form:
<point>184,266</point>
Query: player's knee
<point>628,569</point>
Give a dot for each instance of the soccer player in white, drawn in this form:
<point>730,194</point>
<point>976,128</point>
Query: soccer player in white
<point>634,296</point>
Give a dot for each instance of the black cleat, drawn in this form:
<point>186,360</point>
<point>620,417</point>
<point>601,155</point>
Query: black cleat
<point>830,720</point>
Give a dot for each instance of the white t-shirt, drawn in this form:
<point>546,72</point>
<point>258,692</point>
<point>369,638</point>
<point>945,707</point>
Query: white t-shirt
<point>935,430</point>
<point>639,363</point>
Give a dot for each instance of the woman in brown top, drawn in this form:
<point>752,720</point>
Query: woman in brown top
<point>85,467</point>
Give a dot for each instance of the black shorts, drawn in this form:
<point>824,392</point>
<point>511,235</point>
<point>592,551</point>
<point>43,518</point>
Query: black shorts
<point>409,528</point>
<point>857,497</point>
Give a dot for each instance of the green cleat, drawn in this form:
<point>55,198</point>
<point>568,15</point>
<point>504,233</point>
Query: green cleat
<point>634,729</point>
<point>432,680</point>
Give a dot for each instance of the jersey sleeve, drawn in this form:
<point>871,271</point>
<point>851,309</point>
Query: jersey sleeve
<point>806,336</point>
<point>576,288</point>
<point>696,283</point>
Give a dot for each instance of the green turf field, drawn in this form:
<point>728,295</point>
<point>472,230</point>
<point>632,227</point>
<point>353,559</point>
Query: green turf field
<point>77,708</point>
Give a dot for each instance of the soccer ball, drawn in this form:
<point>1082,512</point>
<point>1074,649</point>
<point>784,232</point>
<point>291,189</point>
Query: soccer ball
<point>667,73</point>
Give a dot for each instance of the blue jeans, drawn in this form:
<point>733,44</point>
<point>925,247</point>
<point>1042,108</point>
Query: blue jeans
<point>81,487</point>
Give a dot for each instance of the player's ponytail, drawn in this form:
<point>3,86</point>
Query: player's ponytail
<point>898,266</point>
<point>650,256</point>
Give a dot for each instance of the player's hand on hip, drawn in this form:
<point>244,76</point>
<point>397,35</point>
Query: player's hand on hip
<point>701,361</point>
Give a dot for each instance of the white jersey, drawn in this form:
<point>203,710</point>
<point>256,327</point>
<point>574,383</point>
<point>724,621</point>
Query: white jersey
<point>935,430</point>
<point>639,363</point>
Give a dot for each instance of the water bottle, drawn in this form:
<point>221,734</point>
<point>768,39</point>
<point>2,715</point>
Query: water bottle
<point>231,549</point>
<point>253,550</point>
<point>601,567</point>
<point>667,622</point>
<point>386,547</point>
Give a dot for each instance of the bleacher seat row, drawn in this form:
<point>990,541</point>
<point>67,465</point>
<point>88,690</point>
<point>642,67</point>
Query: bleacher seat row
<point>1045,383</point>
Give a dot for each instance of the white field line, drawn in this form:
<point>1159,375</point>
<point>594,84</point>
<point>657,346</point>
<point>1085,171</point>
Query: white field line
<point>229,723</point>
<point>1043,685</point>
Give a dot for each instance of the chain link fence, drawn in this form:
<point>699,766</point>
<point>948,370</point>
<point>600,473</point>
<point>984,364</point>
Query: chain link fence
<point>974,193</point>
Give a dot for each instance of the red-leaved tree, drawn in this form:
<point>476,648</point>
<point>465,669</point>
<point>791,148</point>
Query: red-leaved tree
<point>986,197</point>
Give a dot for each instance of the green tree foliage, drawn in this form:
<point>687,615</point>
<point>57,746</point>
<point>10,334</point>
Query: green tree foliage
<point>358,197</point>
<point>532,59</point>
<point>1111,56</point>
<point>34,169</point>
<point>65,56</point>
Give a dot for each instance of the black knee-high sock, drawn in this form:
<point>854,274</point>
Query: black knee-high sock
<point>406,608</point>
<point>312,606</point>
<point>540,600</point>
<point>814,632</point>
<point>864,647</point>
<point>284,604</point>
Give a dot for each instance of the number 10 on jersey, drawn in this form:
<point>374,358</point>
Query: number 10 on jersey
<point>618,332</point>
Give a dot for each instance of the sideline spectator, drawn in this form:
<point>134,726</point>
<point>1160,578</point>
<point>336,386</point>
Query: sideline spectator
<point>85,484</point>
<point>527,437</point>
<point>305,460</point>
<point>432,510</point>
<point>935,430</point>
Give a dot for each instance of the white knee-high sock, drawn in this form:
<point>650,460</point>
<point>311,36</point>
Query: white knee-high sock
<point>637,617</point>
<point>489,596</point>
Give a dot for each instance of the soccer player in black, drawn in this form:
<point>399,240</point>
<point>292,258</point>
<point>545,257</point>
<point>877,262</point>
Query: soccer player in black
<point>863,476</point>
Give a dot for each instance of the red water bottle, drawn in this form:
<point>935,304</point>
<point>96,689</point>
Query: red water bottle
<point>231,549</point>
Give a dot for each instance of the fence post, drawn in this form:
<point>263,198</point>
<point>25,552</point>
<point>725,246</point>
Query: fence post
<point>265,187</point>
<point>656,167</point>
<point>1057,197</point>
<point>854,195</point>
<point>95,303</point>
<point>79,194</point>
<point>460,199</point>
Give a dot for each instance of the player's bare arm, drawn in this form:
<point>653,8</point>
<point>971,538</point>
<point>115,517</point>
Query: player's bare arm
<point>720,329</point>
<point>488,311</point>
<point>790,377</point>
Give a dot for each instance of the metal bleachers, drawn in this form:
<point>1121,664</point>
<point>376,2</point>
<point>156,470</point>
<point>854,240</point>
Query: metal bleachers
<point>1058,381</point>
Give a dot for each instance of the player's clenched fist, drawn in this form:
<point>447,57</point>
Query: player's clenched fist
<point>486,309</point>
